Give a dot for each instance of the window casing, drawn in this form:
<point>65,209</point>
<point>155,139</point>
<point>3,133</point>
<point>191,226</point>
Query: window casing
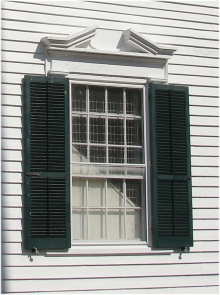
<point>108,163</point>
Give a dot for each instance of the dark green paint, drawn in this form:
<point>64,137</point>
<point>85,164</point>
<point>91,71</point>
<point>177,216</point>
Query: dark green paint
<point>50,154</point>
<point>170,167</point>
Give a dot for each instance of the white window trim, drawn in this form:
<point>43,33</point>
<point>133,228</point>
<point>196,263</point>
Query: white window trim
<point>59,48</point>
<point>144,89</point>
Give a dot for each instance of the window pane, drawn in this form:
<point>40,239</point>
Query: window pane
<point>116,155</point>
<point>96,192</point>
<point>133,132</point>
<point>115,224</point>
<point>97,130</point>
<point>115,100</point>
<point>133,224</point>
<point>79,133</point>
<point>115,131</point>
<point>96,99</point>
<point>79,192</point>
<point>134,156</point>
<point>97,224</point>
<point>79,153</point>
<point>97,154</point>
<point>115,195</point>
<point>133,101</point>
<point>79,98</point>
<point>133,192</point>
<point>79,224</point>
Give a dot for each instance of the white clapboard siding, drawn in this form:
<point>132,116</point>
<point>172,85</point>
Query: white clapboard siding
<point>203,191</point>
<point>12,166</point>
<point>205,181</point>
<point>12,200</point>
<point>6,121</point>
<point>156,12</point>
<point>93,15</point>
<point>13,133</point>
<point>204,141</point>
<point>200,100</point>
<point>28,68</point>
<point>205,171</point>
<point>74,259</point>
<point>205,151</point>
<point>107,271</point>
<point>206,9</point>
<point>191,27</point>
<point>205,224</point>
<point>14,144</point>
<point>153,29</point>
<point>204,202</point>
<point>168,290</point>
<point>108,283</point>
<point>204,131</point>
<point>204,111</point>
<point>19,56</point>
<point>195,80</point>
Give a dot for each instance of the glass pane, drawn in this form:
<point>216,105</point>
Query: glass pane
<point>79,153</point>
<point>115,194</point>
<point>133,101</point>
<point>79,224</point>
<point>116,155</point>
<point>133,132</point>
<point>96,194</point>
<point>134,156</point>
<point>79,133</point>
<point>78,192</point>
<point>133,224</point>
<point>115,222</point>
<point>98,154</point>
<point>96,99</point>
<point>97,130</point>
<point>115,131</point>
<point>97,221</point>
<point>79,98</point>
<point>115,100</point>
<point>133,192</point>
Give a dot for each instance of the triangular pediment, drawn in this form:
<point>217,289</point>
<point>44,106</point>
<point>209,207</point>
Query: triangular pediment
<point>97,40</point>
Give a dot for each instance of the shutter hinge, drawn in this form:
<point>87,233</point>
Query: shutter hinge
<point>32,174</point>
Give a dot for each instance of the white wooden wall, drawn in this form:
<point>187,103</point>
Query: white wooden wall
<point>193,28</point>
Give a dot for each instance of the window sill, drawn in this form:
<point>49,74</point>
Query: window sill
<point>133,248</point>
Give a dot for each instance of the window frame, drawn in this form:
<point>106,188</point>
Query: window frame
<point>146,218</point>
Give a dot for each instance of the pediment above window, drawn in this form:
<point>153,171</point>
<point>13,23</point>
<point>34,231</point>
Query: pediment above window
<point>94,40</point>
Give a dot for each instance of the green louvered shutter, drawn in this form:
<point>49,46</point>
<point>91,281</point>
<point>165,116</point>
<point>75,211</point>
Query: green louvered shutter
<point>170,167</point>
<point>47,162</point>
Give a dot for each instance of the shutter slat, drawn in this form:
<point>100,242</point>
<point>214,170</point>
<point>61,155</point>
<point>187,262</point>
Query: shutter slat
<point>170,155</point>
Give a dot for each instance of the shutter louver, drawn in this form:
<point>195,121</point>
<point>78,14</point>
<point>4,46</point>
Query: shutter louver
<point>171,167</point>
<point>47,171</point>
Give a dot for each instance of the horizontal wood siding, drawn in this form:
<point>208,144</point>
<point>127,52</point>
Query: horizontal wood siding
<point>191,27</point>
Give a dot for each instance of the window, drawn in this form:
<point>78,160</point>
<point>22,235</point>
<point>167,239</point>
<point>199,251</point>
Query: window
<point>108,163</point>
<point>108,167</point>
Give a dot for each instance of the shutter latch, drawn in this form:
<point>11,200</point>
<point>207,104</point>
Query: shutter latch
<point>32,174</point>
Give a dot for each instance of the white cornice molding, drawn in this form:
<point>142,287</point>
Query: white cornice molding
<point>134,46</point>
<point>142,44</point>
<point>75,39</point>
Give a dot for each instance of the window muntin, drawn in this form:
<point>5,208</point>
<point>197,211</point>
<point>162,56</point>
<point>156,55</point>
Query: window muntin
<point>108,168</point>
